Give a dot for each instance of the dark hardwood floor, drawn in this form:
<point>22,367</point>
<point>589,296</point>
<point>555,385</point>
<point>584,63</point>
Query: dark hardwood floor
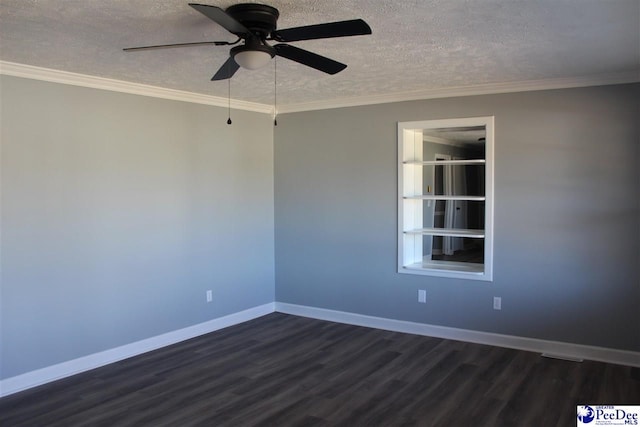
<point>282,370</point>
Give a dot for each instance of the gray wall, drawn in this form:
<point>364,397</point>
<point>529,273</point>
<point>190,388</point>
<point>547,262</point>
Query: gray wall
<point>119,212</point>
<point>567,216</point>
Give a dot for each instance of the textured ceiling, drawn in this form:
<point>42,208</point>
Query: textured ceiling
<point>416,45</point>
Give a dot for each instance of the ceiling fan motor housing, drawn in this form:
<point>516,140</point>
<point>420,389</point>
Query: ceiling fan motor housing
<point>259,18</point>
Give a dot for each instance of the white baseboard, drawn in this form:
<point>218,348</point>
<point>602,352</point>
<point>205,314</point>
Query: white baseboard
<point>62,370</point>
<point>556,348</point>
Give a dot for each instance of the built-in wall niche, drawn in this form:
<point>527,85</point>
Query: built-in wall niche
<point>445,198</point>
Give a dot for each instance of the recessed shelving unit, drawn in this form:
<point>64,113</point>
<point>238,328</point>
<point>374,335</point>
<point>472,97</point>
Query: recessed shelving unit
<point>445,198</point>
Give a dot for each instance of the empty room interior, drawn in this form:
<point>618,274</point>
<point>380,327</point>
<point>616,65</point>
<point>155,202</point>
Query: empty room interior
<point>414,213</point>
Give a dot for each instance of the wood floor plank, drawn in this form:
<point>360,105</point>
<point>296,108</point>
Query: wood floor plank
<point>282,370</point>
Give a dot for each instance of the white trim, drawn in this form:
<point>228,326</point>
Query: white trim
<point>558,349</point>
<point>64,77</point>
<point>65,369</point>
<point>74,79</point>
<point>482,89</point>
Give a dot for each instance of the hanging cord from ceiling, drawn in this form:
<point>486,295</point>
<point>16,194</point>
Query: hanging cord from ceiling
<point>229,98</point>
<point>275,91</point>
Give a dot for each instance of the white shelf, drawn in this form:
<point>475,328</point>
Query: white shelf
<point>426,197</point>
<point>446,162</point>
<point>467,267</point>
<point>476,234</point>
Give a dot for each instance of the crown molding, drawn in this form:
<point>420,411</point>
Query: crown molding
<point>65,77</point>
<point>450,92</point>
<point>75,79</point>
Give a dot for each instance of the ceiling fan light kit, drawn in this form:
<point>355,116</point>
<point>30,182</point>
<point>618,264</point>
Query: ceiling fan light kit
<point>255,24</point>
<point>252,55</point>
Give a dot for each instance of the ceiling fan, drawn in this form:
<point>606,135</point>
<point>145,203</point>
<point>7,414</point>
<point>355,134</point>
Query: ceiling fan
<point>255,24</point>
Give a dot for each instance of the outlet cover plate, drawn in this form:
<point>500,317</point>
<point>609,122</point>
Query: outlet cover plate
<point>422,296</point>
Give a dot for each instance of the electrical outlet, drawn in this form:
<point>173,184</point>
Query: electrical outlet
<point>422,296</point>
<point>209,295</point>
<point>497,303</point>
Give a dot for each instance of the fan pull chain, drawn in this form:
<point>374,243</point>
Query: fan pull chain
<point>229,97</point>
<point>275,91</point>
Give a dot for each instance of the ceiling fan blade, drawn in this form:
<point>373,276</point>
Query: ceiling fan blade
<point>354,27</point>
<point>222,18</point>
<point>227,70</point>
<point>309,59</point>
<point>167,46</point>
